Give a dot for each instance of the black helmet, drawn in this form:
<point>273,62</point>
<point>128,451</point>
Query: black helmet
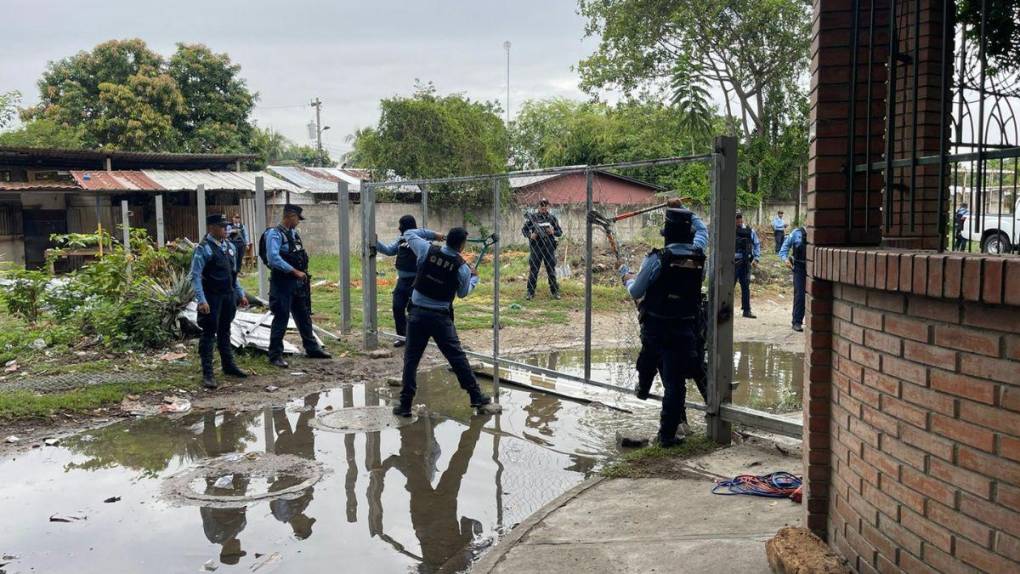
<point>679,226</point>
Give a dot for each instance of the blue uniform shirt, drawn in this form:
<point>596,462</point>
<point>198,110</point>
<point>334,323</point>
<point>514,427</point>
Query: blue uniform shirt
<point>244,232</point>
<point>418,242</point>
<point>755,247</point>
<point>651,266</point>
<point>391,249</point>
<point>275,243</point>
<point>794,239</point>
<point>203,253</point>
<point>778,224</point>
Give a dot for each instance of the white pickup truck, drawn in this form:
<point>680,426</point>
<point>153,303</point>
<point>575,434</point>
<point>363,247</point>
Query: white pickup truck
<point>996,233</point>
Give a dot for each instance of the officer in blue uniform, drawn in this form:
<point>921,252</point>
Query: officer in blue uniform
<point>238,235</point>
<point>407,269</point>
<point>779,229</point>
<point>442,276</point>
<point>214,278</point>
<point>794,252</point>
<point>289,289</point>
<point>669,287</point>
<point>747,254</point>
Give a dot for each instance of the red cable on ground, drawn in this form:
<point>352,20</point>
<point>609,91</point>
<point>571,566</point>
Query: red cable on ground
<point>774,485</point>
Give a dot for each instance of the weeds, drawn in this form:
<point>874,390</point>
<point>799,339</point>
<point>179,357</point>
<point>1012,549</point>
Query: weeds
<point>653,460</point>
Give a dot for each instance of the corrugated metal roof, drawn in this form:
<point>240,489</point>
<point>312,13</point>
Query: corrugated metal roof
<point>525,181</point>
<point>304,178</point>
<point>37,186</point>
<point>178,180</point>
<point>338,174</point>
<point>99,180</point>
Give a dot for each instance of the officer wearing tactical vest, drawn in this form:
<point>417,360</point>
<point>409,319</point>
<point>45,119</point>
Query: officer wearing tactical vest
<point>747,254</point>
<point>794,252</point>
<point>289,289</point>
<point>407,269</point>
<point>542,230</point>
<point>669,287</point>
<point>238,235</point>
<point>214,278</point>
<point>442,276</point>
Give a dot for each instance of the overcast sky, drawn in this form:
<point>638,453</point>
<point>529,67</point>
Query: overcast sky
<point>350,53</point>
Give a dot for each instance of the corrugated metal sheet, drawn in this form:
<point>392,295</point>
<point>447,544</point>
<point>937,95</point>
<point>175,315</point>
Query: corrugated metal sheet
<point>99,180</point>
<point>335,174</point>
<point>178,180</point>
<point>36,186</point>
<point>525,181</point>
<point>305,178</point>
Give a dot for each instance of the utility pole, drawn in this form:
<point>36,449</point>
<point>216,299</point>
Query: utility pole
<point>509,145</point>
<point>317,104</point>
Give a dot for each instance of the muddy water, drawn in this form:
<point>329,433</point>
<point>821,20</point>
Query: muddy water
<point>425,497</point>
<point>768,378</point>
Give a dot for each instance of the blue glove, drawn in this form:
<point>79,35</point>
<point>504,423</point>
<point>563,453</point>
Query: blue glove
<point>624,270</point>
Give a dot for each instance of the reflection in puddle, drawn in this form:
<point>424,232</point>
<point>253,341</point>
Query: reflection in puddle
<point>768,378</point>
<point>424,497</point>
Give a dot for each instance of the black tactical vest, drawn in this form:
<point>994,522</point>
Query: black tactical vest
<point>219,272</point>
<point>439,276</point>
<point>800,250</point>
<point>295,256</point>
<point>745,244</point>
<point>676,293</point>
<point>406,259</point>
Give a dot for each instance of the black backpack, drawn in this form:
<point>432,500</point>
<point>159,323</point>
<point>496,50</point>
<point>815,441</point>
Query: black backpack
<point>263,255</point>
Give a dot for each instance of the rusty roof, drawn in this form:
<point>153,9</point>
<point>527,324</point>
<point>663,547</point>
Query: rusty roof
<point>37,186</point>
<point>114,180</point>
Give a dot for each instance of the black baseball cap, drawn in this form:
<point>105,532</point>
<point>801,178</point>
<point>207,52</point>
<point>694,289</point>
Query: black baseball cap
<point>216,219</point>
<point>295,209</point>
<point>543,201</point>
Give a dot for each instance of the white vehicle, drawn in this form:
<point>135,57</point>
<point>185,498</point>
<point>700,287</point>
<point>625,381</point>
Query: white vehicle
<point>997,233</point>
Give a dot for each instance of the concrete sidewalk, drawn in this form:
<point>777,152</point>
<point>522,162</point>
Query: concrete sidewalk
<point>651,525</point>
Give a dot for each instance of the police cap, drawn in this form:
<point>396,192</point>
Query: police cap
<point>295,209</point>
<point>216,219</point>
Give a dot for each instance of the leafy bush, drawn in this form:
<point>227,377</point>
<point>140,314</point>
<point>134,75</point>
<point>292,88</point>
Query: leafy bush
<point>24,294</point>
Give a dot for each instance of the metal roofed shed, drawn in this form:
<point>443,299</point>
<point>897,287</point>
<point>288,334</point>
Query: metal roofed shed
<point>307,179</point>
<point>98,159</point>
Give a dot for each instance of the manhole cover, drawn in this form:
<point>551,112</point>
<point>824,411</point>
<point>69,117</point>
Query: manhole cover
<point>239,479</point>
<point>361,419</point>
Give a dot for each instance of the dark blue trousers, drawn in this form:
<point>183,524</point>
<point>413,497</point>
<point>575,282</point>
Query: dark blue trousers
<point>743,277</point>
<point>422,325</point>
<point>287,298</point>
<point>780,236</point>
<point>799,289</point>
<point>216,329</point>
<point>669,346</point>
<point>401,299</point>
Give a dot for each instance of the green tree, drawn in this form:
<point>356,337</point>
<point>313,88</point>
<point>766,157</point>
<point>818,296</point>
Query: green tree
<point>122,95</point>
<point>8,107</point>
<point>44,133</point>
<point>429,135</point>
<point>273,148</point>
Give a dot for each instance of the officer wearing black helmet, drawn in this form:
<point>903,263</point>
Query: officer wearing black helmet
<point>407,269</point>
<point>214,278</point>
<point>442,276</point>
<point>669,287</point>
<point>289,291</point>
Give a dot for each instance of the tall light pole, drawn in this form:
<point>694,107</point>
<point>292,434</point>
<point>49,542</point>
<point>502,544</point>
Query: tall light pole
<point>317,104</point>
<point>506,46</point>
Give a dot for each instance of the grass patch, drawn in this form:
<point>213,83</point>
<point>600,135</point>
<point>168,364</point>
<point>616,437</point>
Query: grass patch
<point>655,461</point>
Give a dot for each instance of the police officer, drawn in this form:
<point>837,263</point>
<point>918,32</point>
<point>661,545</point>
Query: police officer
<point>794,252</point>
<point>778,229</point>
<point>238,235</point>
<point>289,289</point>
<point>442,276</point>
<point>214,278</point>
<point>542,228</point>
<point>747,254</point>
<point>669,287</point>
<point>407,269</point>
<point>959,225</point>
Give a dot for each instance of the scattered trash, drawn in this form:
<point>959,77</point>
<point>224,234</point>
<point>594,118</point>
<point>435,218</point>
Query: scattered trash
<point>298,374</point>
<point>774,485</point>
<point>11,366</point>
<point>11,439</point>
<point>112,499</point>
<point>631,442</point>
<point>173,356</point>
<point>515,307</point>
<point>68,517</point>
<point>224,481</point>
<point>175,405</point>
<point>209,566</point>
<point>266,561</point>
<point>380,354</point>
<point>51,441</point>
<point>328,408</point>
<point>272,388</point>
<point>38,344</point>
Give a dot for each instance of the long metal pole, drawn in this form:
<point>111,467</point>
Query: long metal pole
<point>424,207</point>
<point>720,315</point>
<point>160,223</point>
<point>495,289</point>
<point>589,250</point>
<point>343,217</point>
<point>890,113</point>
<point>125,223</point>
<point>260,226</point>
<point>200,202</point>
<point>368,302</point>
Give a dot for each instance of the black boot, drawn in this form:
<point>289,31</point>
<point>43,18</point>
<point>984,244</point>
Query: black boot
<point>318,353</point>
<point>402,408</point>
<point>278,362</point>
<point>479,399</point>
<point>229,366</point>
<point>643,390</point>
<point>205,353</point>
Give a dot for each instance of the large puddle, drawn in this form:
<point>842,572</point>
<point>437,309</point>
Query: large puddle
<point>424,497</point>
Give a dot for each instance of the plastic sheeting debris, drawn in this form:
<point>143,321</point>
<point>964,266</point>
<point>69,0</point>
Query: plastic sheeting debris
<point>248,329</point>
